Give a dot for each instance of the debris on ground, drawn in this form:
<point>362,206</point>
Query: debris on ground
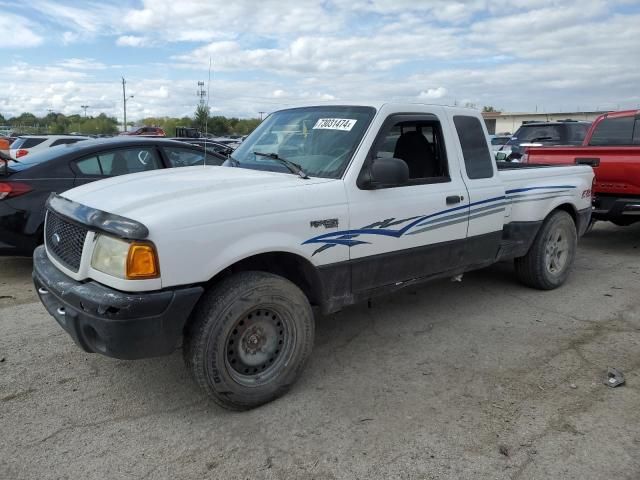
<point>614,377</point>
<point>573,385</point>
<point>504,450</point>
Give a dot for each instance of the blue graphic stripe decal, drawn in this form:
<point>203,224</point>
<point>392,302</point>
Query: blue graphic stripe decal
<point>438,219</point>
<point>516,190</point>
<point>397,233</point>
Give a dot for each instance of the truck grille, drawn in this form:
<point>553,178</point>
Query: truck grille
<point>64,240</point>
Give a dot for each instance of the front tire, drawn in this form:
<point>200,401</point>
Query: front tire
<point>249,339</point>
<point>548,262</point>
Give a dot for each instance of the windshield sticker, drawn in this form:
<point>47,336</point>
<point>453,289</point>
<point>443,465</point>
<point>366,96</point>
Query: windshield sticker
<point>345,124</point>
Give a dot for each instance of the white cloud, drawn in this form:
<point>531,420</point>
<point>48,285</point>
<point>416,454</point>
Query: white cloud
<point>512,54</point>
<point>69,38</point>
<point>433,93</point>
<point>82,64</point>
<point>132,41</point>
<point>17,32</point>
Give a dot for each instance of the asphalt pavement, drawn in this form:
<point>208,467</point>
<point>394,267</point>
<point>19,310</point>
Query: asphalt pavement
<point>479,379</point>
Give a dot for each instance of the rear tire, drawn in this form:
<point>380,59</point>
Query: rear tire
<point>249,339</point>
<point>548,262</point>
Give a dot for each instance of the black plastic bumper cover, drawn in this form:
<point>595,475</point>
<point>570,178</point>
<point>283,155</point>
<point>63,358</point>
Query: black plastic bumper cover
<point>617,208</point>
<point>583,220</point>
<point>117,324</point>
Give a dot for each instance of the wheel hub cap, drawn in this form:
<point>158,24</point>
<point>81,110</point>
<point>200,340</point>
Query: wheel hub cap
<point>255,342</point>
<point>556,251</point>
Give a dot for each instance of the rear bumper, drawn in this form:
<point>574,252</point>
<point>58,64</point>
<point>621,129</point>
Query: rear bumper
<point>110,322</point>
<point>620,209</point>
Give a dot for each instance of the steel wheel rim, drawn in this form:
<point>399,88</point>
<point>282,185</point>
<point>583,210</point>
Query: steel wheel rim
<point>259,342</point>
<point>556,251</point>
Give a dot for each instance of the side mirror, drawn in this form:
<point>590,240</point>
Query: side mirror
<point>384,173</point>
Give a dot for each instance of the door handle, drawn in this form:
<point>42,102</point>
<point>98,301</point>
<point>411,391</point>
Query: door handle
<point>451,199</point>
<point>593,162</point>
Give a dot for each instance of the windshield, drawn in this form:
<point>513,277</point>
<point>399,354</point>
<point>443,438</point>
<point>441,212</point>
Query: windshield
<point>321,140</point>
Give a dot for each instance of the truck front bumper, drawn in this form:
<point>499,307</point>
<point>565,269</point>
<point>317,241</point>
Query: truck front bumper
<point>117,324</point>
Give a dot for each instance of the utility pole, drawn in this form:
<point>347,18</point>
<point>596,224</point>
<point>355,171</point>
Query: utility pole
<point>84,107</point>
<point>124,102</point>
<point>261,113</point>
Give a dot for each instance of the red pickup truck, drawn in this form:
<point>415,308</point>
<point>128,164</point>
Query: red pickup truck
<point>612,148</point>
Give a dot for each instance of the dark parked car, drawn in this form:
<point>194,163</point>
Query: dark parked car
<point>538,134</point>
<point>26,184</point>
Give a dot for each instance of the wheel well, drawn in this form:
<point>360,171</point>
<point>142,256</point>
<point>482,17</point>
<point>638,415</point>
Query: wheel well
<point>567,207</point>
<point>294,268</point>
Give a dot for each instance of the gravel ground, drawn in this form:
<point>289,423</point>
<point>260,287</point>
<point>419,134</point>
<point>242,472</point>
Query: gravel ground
<point>479,379</point>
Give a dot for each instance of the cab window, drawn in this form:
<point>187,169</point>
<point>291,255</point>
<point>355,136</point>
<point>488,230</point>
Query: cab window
<point>120,162</point>
<point>420,144</point>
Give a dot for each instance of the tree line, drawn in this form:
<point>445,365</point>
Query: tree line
<point>58,123</point>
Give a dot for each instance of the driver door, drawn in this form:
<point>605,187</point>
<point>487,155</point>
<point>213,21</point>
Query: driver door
<point>415,230</point>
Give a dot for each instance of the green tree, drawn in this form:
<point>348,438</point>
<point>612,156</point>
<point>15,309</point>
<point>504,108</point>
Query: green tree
<point>488,108</point>
<point>201,117</point>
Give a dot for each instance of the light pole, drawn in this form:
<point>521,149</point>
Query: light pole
<point>261,113</point>
<point>124,102</point>
<point>126,99</point>
<point>84,107</point>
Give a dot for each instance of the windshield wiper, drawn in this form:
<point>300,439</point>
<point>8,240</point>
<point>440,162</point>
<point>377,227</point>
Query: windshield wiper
<point>293,167</point>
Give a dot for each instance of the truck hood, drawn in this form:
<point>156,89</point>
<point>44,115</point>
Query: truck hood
<point>137,195</point>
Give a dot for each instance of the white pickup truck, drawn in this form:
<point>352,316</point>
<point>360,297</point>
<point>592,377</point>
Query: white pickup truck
<point>321,207</point>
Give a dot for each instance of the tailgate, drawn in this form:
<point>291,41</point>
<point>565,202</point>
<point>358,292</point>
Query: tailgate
<point>617,170</point>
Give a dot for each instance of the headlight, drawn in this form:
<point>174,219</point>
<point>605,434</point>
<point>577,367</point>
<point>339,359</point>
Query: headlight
<point>122,259</point>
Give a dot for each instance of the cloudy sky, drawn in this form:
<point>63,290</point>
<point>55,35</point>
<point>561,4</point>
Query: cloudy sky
<point>517,55</point>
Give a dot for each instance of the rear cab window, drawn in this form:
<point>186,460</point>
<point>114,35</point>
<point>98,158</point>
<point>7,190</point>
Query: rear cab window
<point>475,150</point>
<point>613,131</point>
<point>537,134</point>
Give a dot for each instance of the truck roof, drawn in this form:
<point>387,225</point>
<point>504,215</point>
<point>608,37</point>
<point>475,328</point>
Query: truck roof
<point>378,105</point>
<point>621,113</point>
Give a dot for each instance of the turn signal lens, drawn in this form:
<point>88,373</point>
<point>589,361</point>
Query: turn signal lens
<point>142,262</point>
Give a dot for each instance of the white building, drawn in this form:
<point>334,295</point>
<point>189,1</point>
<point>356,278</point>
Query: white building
<point>503,122</point>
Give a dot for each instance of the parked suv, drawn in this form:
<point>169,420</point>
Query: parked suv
<point>538,134</point>
<point>25,144</point>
